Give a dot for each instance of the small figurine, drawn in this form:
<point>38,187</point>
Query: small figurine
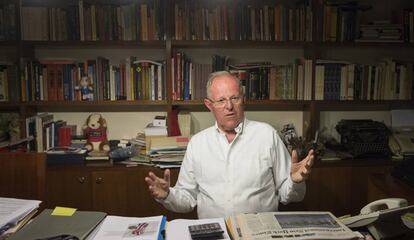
<point>85,88</point>
<point>96,133</point>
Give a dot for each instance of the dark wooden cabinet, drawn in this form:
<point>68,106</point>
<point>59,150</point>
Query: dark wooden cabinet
<point>341,188</point>
<point>116,190</point>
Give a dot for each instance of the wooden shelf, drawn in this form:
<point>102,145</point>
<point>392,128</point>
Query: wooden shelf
<point>236,44</point>
<point>366,44</point>
<point>354,163</point>
<point>198,105</point>
<point>250,105</point>
<point>97,44</point>
<point>8,43</point>
<point>99,106</point>
<point>364,105</point>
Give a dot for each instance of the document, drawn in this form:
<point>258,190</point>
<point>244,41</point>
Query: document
<point>116,227</point>
<point>178,228</point>
<point>289,225</point>
<point>12,210</point>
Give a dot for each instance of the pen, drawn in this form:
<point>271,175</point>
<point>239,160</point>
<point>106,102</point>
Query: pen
<point>6,227</point>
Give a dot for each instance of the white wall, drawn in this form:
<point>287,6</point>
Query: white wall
<point>128,124</point>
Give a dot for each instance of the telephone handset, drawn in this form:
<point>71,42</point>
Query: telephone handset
<point>382,204</point>
<point>382,217</point>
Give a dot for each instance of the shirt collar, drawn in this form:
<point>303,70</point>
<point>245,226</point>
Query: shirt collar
<point>238,129</point>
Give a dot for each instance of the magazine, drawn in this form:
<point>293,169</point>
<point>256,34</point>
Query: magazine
<point>288,225</point>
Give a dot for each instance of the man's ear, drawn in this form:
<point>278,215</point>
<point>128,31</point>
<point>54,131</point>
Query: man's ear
<point>208,104</point>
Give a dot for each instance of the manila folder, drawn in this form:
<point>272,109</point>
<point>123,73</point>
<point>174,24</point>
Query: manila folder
<point>45,225</point>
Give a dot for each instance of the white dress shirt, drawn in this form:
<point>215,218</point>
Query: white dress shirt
<point>250,174</point>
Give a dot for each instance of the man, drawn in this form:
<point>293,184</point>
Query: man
<point>236,166</point>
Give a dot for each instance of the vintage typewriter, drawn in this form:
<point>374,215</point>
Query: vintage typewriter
<point>364,137</point>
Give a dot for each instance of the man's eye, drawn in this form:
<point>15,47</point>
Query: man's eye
<point>221,101</point>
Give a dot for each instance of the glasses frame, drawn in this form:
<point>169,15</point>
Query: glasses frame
<point>223,101</point>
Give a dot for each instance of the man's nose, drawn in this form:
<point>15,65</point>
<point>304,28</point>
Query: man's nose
<point>228,104</point>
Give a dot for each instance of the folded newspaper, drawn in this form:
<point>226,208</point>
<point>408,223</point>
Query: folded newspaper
<point>288,225</point>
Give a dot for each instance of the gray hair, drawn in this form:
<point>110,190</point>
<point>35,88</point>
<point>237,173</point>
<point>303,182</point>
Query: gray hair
<point>217,74</point>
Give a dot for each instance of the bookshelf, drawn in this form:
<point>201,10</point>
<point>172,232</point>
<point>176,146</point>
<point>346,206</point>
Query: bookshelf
<point>284,48</point>
<point>243,30</point>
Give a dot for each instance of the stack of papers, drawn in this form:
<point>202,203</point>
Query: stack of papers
<point>167,152</point>
<point>14,213</point>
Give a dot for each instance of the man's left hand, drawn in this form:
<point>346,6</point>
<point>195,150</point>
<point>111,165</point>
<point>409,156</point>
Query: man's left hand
<point>301,169</point>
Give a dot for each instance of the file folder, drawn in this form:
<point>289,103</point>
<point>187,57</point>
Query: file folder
<point>45,225</point>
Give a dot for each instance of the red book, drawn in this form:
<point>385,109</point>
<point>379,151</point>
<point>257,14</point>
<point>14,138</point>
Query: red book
<point>172,123</point>
<point>65,136</point>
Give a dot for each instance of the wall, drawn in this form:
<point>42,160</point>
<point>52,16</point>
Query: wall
<point>128,124</point>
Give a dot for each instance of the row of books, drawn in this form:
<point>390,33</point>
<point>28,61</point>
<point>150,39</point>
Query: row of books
<point>334,80</point>
<point>387,80</point>
<point>340,22</point>
<point>193,21</point>
<point>189,79</point>
<point>92,22</point>
<point>48,133</point>
<point>260,80</point>
<point>8,83</point>
<point>8,22</point>
<point>68,80</point>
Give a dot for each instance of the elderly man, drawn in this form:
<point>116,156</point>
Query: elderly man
<point>236,166</point>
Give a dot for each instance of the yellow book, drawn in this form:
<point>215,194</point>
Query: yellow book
<point>144,22</point>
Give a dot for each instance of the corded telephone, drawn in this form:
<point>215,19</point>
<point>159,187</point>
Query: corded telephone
<point>382,217</point>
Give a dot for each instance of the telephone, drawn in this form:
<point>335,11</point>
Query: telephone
<point>382,217</point>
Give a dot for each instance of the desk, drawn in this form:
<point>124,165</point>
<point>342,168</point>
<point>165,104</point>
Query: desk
<point>386,186</point>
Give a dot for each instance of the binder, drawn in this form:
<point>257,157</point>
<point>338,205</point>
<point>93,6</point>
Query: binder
<point>80,224</point>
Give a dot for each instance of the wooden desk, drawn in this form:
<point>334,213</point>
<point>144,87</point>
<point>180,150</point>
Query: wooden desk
<point>386,186</point>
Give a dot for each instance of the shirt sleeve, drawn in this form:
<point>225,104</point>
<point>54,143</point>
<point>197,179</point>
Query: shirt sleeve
<point>288,191</point>
<point>182,197</point>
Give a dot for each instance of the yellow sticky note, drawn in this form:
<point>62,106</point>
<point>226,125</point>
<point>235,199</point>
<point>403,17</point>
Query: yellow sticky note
<point>63,211</point>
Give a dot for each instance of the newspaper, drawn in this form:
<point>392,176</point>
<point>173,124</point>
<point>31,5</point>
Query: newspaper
<point>288,225</point>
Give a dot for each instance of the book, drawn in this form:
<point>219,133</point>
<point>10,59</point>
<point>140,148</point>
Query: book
<point>300,225</point>
<point>45,225</point>
<point>117,227</point>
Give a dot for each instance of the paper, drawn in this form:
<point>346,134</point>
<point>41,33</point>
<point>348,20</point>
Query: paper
<point>115,227</point>
<point>293,225</point>
<point>178,229</point>
<point>63,211</point>
<point>13,209</point>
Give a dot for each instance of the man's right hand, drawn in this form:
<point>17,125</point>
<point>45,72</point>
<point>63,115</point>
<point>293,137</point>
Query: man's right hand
<point>159,187</point>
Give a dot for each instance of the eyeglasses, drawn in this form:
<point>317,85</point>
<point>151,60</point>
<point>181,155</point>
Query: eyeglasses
<point>222,101</point>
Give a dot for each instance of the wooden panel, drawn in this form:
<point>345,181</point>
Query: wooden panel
<point>329,189</point>
<point>110,192</point>
<point>141,203</point>
<point>341,190</point>
<point>69,188</point>
<point>385,186</point>
<point>22,175</point>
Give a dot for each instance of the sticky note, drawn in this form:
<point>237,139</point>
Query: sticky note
<point>63,211</point>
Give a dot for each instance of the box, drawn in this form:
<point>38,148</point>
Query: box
<point>159,121</point>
